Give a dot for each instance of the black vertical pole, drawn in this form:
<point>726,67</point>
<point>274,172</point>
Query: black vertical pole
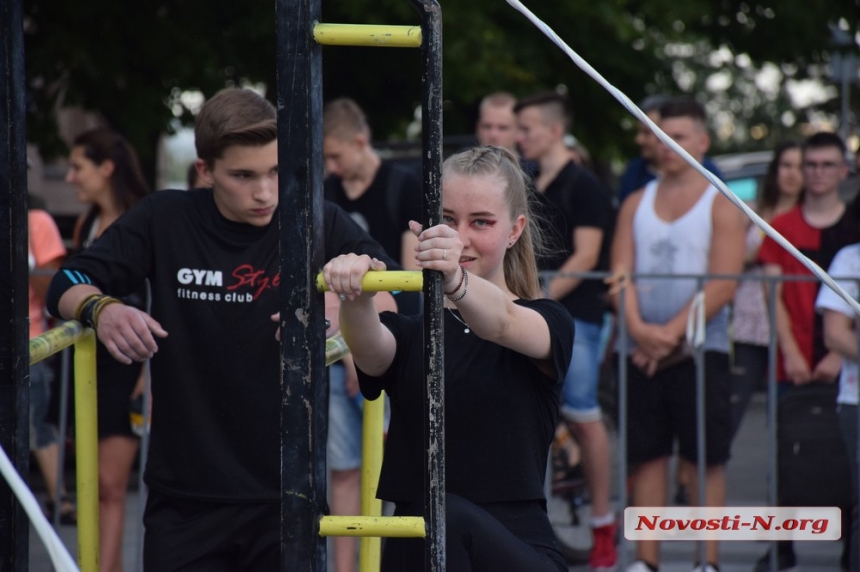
<point>14,293</point>
<point>701,430</point>
<point>623,494</point>
<point>772,442</point>
<point>434,362</point>
<point>303,388</point>
<point>854,459</point>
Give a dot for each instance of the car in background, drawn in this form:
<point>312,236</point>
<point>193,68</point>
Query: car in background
<point>744,173</point>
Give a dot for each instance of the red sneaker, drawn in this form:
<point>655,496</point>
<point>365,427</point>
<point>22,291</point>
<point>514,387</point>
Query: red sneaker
<point>603,556</point>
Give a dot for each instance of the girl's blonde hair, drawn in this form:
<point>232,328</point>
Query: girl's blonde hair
<point>520,264</point>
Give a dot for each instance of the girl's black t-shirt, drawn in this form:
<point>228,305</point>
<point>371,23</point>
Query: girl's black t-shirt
<point>500,410</point>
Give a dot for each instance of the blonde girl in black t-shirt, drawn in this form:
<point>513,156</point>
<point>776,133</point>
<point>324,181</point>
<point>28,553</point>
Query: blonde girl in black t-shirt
<point>506,354</point>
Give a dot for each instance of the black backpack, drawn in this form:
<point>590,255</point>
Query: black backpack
<point>812,458</point>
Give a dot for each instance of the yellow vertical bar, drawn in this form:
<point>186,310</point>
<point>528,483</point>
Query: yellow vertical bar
<point>86,437</point>
<point>370,548</point>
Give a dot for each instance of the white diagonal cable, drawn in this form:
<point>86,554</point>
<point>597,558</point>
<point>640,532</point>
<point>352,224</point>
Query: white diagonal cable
<point>641,116</point>
<point>60,557</point>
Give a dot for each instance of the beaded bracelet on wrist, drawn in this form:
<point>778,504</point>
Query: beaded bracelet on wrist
<point>460,285</point>
<point>464,282</point>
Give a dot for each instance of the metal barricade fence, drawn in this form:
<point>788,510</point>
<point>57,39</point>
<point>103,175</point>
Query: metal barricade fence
<point>623,346</point>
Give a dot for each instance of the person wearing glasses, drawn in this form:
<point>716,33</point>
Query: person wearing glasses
<point>819,226</point>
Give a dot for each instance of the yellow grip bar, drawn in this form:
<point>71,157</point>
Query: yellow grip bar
<point>373,36</point>
<point>55,339</point>
<point>385,281</point>
<point>385,526</point>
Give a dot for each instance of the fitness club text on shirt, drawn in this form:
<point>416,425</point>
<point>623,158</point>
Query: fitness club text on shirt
<point>244,284</point>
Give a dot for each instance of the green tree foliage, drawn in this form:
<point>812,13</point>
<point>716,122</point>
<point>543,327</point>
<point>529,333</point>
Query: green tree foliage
<point>130,60</point>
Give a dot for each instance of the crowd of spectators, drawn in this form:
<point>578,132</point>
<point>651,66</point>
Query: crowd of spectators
<point>664,219</point>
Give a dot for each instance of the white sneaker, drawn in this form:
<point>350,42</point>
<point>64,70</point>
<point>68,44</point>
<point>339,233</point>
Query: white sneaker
<point>637,566</point>
<point>704,568</point>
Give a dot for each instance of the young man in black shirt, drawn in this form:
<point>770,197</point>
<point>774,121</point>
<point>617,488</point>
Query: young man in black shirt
<point>211,257</point>
<point>381,196</point>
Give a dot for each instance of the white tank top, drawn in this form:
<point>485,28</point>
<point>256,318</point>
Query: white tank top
<point>678,247</point>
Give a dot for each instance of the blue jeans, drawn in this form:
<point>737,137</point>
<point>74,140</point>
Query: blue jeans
<point>343,449</point>
<point>579,396</point>
<point>42,433</point>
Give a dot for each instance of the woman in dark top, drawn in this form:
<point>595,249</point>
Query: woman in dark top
<point>506,354</point>
<point>105,171</point>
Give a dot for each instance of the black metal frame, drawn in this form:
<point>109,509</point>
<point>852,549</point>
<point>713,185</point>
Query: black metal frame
<point>14,352</point>
<point>304,391</point>
<point>434,356</point>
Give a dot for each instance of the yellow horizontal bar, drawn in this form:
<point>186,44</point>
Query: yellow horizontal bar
<point>367,35</point>
<point>55,339</point>
<point>385,526</point>
<point>335,349</point>
<point>387,281</point>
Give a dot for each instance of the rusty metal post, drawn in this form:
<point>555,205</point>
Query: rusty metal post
<point>434,362</point>
<point>304,395</point>
<point>14,363</point>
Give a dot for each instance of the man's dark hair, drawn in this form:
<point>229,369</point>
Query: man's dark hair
<point>653,103</point>
<point>825,139</point>
<point>683,107</point>
<point>554,105</point>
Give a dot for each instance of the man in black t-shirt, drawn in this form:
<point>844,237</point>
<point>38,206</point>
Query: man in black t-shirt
<point>380,195</point>
<point>577,213</point>
<point>211,257</point>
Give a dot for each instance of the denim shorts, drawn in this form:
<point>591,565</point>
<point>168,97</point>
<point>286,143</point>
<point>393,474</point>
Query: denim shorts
<point>343,449</point>
<point>42,433</point>
<point>579,396</point>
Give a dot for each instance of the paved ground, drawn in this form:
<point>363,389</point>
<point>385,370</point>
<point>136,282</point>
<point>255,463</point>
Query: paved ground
<point>747,486</point>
